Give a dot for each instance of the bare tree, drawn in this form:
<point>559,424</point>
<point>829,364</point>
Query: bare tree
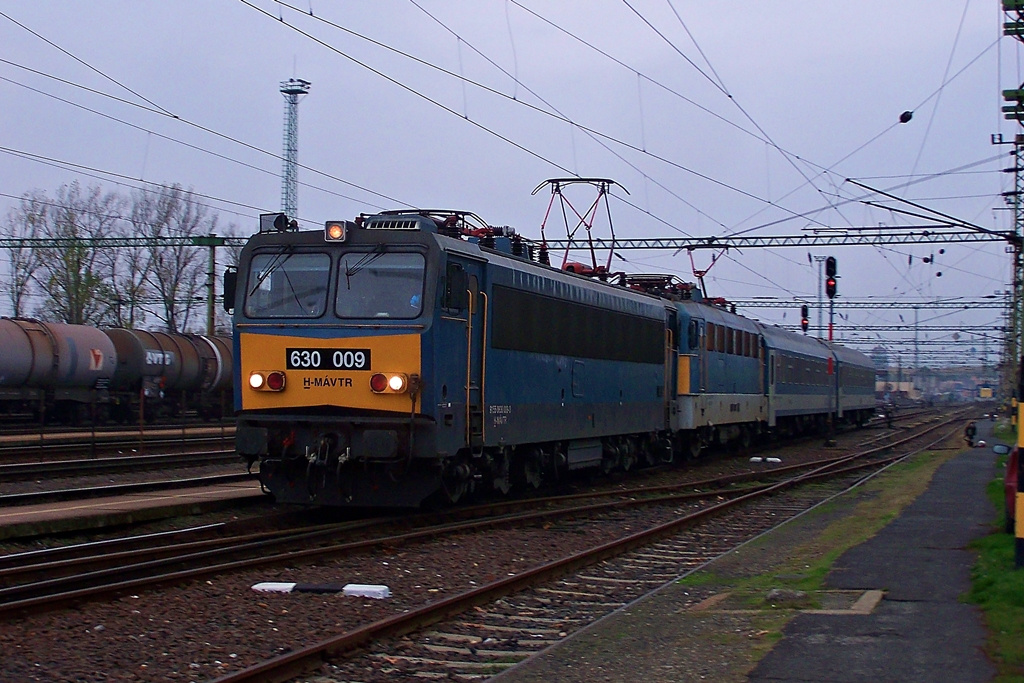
<point>23,222</point>
<point>175,275</point>
<point>127,268</point>
<point>70,273</point>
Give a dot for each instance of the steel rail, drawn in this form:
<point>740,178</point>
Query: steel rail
<point>119,489</point>
<point>117,464</point>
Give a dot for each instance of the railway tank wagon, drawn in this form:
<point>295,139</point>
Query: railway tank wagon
<point>78,374</point>
<point>401,362</point>
<point>161,374</point>
<point>54,368</point>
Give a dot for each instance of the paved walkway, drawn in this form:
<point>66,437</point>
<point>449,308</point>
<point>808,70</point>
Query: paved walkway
<point>920,631</point>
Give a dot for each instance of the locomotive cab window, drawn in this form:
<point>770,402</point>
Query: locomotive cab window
<point>286,284</point>
<point>380,284</point>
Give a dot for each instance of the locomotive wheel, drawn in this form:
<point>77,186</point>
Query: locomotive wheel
<point>501,467</point>
<point>455,481</point>
<point>745,439</point>
<point>628,455</point>
<point>695,447</point>
<point>530,468</point>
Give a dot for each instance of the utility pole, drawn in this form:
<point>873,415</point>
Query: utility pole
<point>1014,111</point>
<point>212,241</point>
<point>917,357</point>
<point>1014,26</point>
<point>820,260</point>
<point>831,283</point>
<point>292,89</point>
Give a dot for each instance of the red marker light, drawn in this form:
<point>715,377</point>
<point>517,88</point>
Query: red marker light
<point>275,381</point>
<point>378,383</point>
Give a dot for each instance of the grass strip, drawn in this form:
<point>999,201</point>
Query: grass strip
<point>998,589</point>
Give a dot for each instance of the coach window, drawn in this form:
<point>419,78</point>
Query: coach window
<point>286,284</point>
<point>380,284</point>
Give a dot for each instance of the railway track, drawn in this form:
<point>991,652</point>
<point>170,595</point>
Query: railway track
<point>88,492</point>
<point>507,620</point>
<point>751,499</point>
<point>72,445</point>
<point>129,463</point>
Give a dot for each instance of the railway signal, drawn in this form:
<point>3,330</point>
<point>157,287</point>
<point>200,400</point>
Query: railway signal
<point>830,277</point>
<point>804,321</point>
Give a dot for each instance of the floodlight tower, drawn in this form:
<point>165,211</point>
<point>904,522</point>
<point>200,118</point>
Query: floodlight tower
<point>291,89</point>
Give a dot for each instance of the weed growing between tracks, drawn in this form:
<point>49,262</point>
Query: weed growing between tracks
<point>998,589</point>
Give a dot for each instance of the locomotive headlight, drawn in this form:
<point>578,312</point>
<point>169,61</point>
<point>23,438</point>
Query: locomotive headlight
<point>390,383</point>
<point>267,381</point>
<point>334,231</point>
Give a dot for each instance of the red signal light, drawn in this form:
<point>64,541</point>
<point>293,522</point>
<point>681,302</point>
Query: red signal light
<point>830,287</point>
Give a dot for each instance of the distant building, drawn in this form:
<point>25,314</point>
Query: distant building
<point>880,357</point>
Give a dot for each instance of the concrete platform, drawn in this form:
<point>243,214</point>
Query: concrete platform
<point>24,521</point>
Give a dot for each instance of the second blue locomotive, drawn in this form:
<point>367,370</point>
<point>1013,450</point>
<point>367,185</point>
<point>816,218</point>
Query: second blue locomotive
<point>417,355</point>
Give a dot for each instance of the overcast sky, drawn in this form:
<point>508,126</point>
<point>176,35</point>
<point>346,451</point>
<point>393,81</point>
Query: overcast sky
<point>715,118</point>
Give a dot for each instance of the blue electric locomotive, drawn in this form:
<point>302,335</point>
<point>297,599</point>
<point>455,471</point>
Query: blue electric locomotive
<point>412,355</point>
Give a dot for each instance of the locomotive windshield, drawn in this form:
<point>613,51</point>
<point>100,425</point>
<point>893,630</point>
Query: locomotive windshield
<point>287,285</point>
<point>380,284</point>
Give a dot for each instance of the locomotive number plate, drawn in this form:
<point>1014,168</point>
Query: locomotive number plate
<point>327,359</point>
